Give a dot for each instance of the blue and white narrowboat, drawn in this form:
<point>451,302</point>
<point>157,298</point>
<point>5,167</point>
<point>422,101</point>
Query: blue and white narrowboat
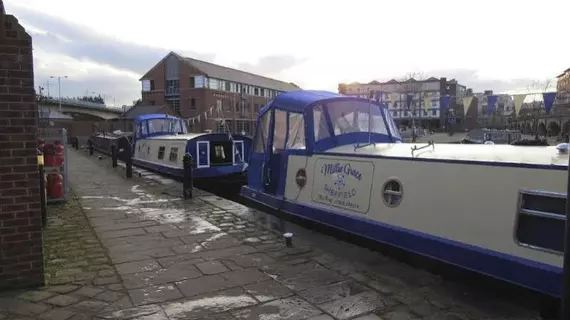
<point>160,142</point>
<point>498,210</point>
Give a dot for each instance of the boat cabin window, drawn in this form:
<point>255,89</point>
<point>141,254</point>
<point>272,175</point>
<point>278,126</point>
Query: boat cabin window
<point>392,125</point>
<point>351,116</point>
<point>280,130</point>
<point>138,130</point>
<point>320,123</point>
<point>173,154</point>
<point>221,153</point>
<point>161,152</point>
<point>144,130</point>
<point>296,138</point>
<point>261,134</point>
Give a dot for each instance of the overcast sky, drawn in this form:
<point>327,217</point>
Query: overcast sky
<point>105,46</point>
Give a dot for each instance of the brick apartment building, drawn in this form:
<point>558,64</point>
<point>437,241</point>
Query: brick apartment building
<point>432,117</point>
<point>21,244</point>
<point>191,87</point>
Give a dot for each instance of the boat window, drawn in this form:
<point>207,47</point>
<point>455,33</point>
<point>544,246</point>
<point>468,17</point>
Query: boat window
<point>173,154</point>
<point>138,130</point>
<point>541,220</point>
<point>296,139</point>
<point>392,124</point>
<point>144,130</point>
<point>262,132</point>
<point>159,125</point>
<point>161,152</point>
<point>279,129</point>
<point>353,116</point>
<point>320,124</point>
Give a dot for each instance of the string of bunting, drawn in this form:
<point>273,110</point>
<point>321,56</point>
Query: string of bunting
<point>547,97</point>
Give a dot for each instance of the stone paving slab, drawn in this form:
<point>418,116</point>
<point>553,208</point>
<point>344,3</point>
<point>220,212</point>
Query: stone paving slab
<point>207,258</point>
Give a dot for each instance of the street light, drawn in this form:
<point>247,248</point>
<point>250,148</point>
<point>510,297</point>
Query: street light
<point>59,88</point>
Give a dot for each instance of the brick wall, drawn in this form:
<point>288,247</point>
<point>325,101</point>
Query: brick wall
<point>21,247</point>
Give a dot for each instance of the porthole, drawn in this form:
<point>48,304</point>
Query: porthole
<point>392,193</point>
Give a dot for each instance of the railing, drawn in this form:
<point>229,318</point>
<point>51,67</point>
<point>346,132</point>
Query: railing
<point>76,103</point>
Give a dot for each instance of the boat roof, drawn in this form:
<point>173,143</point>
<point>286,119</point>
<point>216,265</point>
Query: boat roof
<point>301,100</point>
<point>152,116</point>
<point>185,136</point>
<point>539,155</point>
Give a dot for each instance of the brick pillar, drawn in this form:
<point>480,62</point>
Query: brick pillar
<point>21,244</point>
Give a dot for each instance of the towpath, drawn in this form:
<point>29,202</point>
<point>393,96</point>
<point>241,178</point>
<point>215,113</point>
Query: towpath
<point>132,249</point>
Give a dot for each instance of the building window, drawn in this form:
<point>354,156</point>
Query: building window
<point>199,82</point>
<point>191,82</point>
<point>228,86</point>
<point>262,92</point>
<point>174,104</point>
<point>434,112</point>
<point>192,103</point>
<point>245,110</point>
<point>172,87</point>
<point>147,85</point>
<point>214,84</point>
<point>237,106</point>
<point>227,106</point>
<point>219,104</point>
<point>256,91</point>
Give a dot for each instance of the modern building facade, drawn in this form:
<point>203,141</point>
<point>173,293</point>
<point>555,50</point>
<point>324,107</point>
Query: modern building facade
<point>418,114</point>
<point>192,87</point>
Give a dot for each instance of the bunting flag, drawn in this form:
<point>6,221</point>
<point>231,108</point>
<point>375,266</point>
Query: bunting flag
<point>466,104</point>
<point>519,99</point>
<point>393,99</point>
<point>548,98</point>
<point>409,100</point>
<point>427,101</point>
<point>491,103</point>
<point>445,101</point>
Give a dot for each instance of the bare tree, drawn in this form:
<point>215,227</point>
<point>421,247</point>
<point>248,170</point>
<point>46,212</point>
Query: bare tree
<point>534,88</point>
<point>412,84</point>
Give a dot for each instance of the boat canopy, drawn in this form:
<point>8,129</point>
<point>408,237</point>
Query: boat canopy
<point>316,121</point>
<point>150,125</point>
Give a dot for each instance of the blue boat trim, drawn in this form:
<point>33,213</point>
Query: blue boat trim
<point>537,276</point>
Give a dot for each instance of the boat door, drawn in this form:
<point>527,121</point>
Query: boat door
<point>275,156</point>
<point>202,154</point>
<point>238,152</point>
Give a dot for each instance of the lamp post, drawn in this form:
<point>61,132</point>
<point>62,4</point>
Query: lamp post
<point>59,88</point>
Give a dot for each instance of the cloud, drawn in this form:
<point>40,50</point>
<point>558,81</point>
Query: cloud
<point>93,62</point>
<point>271,65</point>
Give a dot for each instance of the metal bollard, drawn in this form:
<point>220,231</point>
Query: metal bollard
<point>187,184</point>
<point>288,239</point>
<point>129,162</point>
<point>43,193</point>
<point>90,147</point>
<point>114,155</point>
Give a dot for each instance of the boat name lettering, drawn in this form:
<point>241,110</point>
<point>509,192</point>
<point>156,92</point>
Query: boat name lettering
<point>332,168</point>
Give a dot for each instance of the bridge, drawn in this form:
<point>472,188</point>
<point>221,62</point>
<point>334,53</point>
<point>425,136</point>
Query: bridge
<point>78,109</point>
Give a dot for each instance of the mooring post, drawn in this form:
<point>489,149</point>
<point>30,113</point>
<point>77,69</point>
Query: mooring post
<point>187,184</point>
<point>90,147</point>
<point>76,141</point>
<point>129,162</point>
<point>114,155</point>
<point>565,302</point>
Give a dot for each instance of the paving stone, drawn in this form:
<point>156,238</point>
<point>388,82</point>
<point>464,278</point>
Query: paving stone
<point>355,305</point>
<point>123,303</point>
<point>368,317</point>
<point>398,315</point>
<point>293,308</point>
<point>57,314</point>
<point>321,317</point>
<point>267,290</point>
<point>109,296</point>
<point>212,267</point>
<point>131,313</point>
<point>177,272</point>
<point>62,300</point>
<point>137,266</point>
<point>21,307</point>
<point>320,295</point>
<point>202,307</point>
<point>62,289</point>
<point>89,306</point>
<point>121,233</point>
<point>154,294</point>
<point>88,292</point>
<point>101,281</point>
<point>35,296</point>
